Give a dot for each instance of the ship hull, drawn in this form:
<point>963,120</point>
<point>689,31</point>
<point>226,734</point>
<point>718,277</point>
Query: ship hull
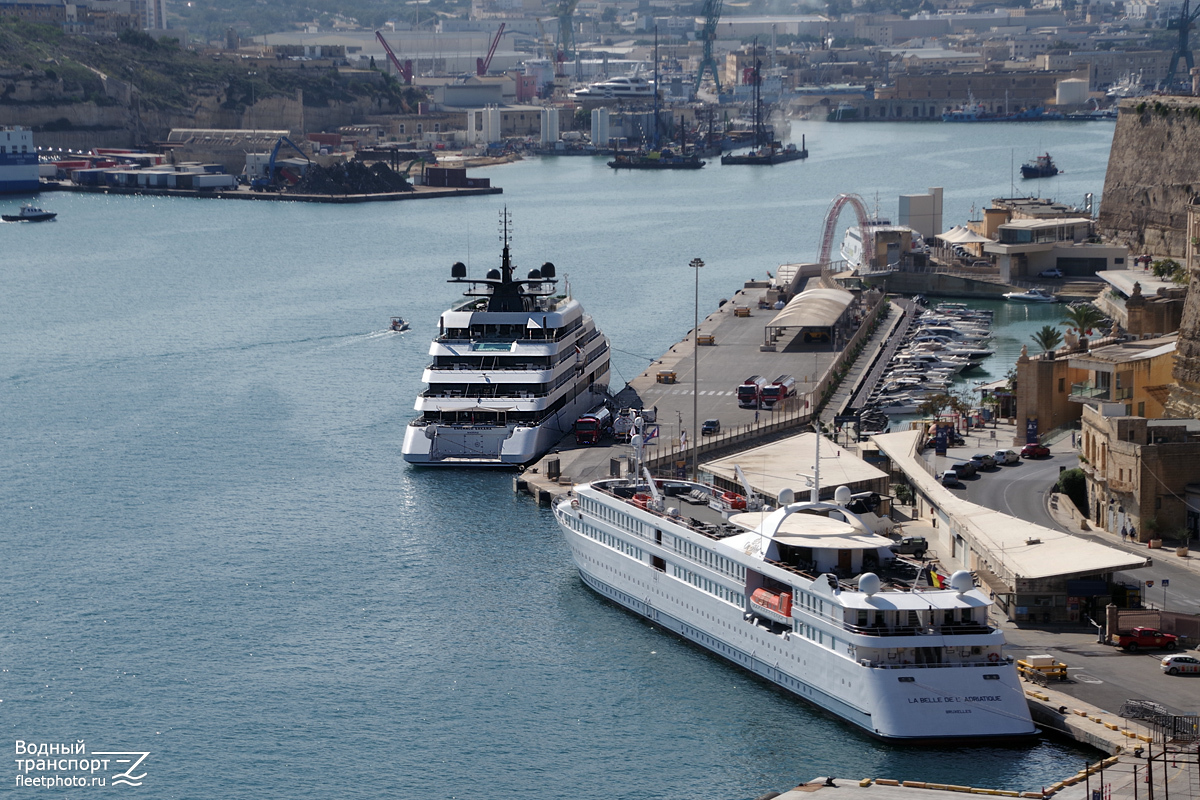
<point>908,705</point>
<point>508,446</point>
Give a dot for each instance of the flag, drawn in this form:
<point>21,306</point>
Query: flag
<point>651,433</point>
<point>938,581</point>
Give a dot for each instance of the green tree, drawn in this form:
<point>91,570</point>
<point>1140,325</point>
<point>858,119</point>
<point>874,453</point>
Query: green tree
<point>1073,484</point>
<point>1083,318</point>
<point>1168,269</point>
<point>1048,338</point>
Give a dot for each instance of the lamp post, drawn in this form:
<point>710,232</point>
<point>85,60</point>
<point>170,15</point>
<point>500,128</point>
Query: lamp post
<point>696,264</point>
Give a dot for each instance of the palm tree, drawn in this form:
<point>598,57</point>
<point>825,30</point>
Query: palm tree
<point>1048,338</point>
<point>1083,318</point>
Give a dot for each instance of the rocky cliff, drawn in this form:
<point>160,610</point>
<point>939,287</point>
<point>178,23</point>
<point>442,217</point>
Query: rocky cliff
<point>1153,172</point>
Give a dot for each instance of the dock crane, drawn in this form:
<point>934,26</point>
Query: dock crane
<point>482,64</point>
<point>565,11</point>
<point>403,70</point>
<point>1183,49</point>
<point>269,181</point>
<point>712,15</point>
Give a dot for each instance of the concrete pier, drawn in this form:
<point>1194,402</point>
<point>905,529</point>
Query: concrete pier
<point>736,332</point>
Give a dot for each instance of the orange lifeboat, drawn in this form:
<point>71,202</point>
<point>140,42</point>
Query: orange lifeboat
<point>734,500</point>
<point>641,500</point>
<point>778,602</point>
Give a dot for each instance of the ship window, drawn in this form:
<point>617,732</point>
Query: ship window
<point>989,676</point>
<point>907,679</point>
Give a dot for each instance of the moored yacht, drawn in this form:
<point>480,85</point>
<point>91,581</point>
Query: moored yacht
<point>630,87</point>
<point>513,368</point>
<point>807,596</point>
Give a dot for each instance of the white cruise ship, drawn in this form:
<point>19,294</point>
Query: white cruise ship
<point>513,368</point>
<point>808,597</point>
<point>18,160</point>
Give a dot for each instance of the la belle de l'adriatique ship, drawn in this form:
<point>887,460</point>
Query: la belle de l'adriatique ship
<point>806,596</point>
<point>513,368</point>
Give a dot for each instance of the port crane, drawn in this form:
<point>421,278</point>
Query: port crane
<point>404,70</point>
<point>1183,49</point>
<point>712,15</point>
<point>270,180</point>
<point>565,11</point>
<point>482,64</point>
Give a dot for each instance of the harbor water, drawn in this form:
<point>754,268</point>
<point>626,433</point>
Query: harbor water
<point>212,551</point>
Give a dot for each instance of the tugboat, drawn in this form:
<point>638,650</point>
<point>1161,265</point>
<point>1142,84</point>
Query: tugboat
<point>30,213</point>
<point>1041,167</point>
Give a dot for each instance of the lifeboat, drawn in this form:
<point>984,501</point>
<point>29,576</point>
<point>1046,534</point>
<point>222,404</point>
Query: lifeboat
<point>734,500</point>
<point>641,500</point>
<point>773,605</point>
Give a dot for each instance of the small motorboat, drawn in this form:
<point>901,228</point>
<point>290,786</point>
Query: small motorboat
<point>1032,296</point>
<point>30,213</point>
<point>398,324</point>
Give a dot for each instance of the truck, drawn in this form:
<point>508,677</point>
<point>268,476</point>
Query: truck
<point>1139,638</point>
<point>592,426</point>
<point>623,422</point>
<point>778,391</point>
<point>749,392</point>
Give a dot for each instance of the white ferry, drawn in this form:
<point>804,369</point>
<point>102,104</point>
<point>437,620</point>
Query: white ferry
<point>880,234</point>
<point>18,160</point>
<point>513,368</point>
<point>806,596</point>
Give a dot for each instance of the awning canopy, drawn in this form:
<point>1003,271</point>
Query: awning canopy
<point>960,235</point>
<point>815,308</point>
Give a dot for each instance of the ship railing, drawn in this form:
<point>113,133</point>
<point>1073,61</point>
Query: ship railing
<point>952,629</point>
<point>866,662</point>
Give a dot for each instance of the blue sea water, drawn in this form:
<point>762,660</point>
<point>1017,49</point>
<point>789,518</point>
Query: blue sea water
<point>211,550</point>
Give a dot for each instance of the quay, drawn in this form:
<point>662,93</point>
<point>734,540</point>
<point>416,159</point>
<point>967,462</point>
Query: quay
<point>244,193</point>
<point>732,346</point>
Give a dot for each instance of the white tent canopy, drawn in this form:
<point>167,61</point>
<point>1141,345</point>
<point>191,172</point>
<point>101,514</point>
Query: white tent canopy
<point>960,235</point>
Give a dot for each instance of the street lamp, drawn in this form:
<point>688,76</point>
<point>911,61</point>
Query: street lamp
<point>696,264</point>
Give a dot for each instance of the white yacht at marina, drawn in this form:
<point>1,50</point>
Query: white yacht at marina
<point>513,368</point>
<point>807,596</point>
<point>622,87</point>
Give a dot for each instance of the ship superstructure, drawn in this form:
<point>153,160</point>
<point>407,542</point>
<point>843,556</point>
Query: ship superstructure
<point>18,160</point>
<point>512,368</point>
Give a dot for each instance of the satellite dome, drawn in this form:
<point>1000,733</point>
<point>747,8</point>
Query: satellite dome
<point>842,495</point>
<point>493,275</point>
<point>547,270</point>
<point>458,270</point>
<point>535,275</point>
<point>868,583</point>
<point>962,581</point>
<point>786,497</point>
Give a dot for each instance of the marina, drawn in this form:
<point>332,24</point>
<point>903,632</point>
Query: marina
<point>234,503</point>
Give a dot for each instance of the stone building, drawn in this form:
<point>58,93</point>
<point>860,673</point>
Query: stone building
<point>1141,304</point>
<point>1053,388</point>
<point>1141,473</point>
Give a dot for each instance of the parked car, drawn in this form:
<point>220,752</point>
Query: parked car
<point>950,478</point>
<point>1034,450</point>
<point>955,439</point>
<point>1143,638</point>
<point>1054,272</point>
<point>1006,457</point>
<point>1176,665</point>
<point>986,461</point>
<point>964,470</point>
<point>980,263</point>
<point>911,545</point>
<point>710,426</point>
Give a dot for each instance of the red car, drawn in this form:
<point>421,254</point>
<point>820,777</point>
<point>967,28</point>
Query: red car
<point>1034,450</point>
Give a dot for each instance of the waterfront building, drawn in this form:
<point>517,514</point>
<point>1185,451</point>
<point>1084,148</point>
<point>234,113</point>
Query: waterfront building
<point>1025,247</point>
<point>1034,574</point>
<point>1143,475</point>
<point>1054,387</point>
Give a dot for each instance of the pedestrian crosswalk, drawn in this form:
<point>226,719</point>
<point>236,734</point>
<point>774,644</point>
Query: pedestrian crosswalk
<point>702,393</point>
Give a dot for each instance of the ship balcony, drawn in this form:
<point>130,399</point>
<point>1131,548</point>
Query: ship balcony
<point>946,629</point>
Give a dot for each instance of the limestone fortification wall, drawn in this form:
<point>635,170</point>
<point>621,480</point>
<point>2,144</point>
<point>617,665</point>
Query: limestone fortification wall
<point>1153,172</point>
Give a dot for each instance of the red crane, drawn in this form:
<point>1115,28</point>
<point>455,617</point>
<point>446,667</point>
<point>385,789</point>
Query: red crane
<point>482,64</point>
<point>403,70</point>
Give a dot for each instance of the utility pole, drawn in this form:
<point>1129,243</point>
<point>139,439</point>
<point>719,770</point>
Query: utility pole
<point>696,264</point>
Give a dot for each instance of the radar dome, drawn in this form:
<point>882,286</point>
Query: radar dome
<point>786,497</point>
<point>493,275</point>
<point>962,581</point>
<point>636,441</point>
<point>547,270</point>
<point>535,275</point>
<point>458,270</point>
<point>842,495</point>
<point>868,583</point>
